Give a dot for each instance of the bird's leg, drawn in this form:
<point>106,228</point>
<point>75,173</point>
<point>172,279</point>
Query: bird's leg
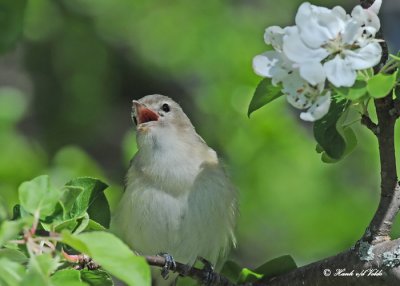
<point>208,270</point>
<point>169,264</point>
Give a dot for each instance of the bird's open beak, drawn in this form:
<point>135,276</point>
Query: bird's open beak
<point>142,114</point>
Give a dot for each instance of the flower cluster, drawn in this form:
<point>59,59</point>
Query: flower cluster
<point>324,45</point>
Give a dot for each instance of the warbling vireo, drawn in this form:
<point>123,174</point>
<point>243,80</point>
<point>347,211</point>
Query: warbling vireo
<point>178,198</point>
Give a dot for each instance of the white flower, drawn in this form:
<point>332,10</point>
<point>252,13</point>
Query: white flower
<point>319,108</point>
<point>273,65</point>
<point>324,44</point>
<point>368,19</point>
<point>274,36</point>
<point>302,95</point>
<point>330,43</point>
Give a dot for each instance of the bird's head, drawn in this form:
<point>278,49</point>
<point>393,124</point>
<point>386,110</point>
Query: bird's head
<point>158,117</point>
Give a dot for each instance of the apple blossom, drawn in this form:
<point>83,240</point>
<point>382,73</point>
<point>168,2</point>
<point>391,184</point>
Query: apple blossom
<point>324,45</point>
<point>333,43</point>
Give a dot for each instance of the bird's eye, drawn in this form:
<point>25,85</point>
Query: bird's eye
<point>165,107</point>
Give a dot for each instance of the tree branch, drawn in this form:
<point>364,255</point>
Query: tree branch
<point>200,275</point>
<point>375,265</point>
<point>387,111</point>
<point>367,122</point>
<point>381,224</point>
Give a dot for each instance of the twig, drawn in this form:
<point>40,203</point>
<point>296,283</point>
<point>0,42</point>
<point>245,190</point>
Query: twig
<point>80,260</point>
<point>366,121</point>
<point>191,271</point>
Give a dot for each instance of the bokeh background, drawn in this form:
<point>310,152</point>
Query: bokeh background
<point>65,99</point>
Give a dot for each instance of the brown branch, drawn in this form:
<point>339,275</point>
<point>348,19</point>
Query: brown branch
<point>387,112</point>
<point>367,122</point>
<point>375,265</point>
<point>381,224</point>
<point>197,274</point>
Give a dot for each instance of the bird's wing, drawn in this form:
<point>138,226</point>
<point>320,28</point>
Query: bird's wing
<point>213,204</point>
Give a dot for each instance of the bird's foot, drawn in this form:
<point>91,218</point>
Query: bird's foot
<point>169,265</point>
<point>208,268</point>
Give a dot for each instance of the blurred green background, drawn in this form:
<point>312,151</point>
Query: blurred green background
<point>65,99</point>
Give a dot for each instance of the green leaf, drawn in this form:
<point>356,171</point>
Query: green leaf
<point>68,277</point>
<point>231,270</point>
<point>264,94</point>
<point>112,254</point>
<point>395,57</point>
<point>13,255</point>
<point>277,266</point>
<point>248,276</point>
<point>11,20</point>
<point>96,277</point>
<point>11,272</point>
<point>396,92</point>
<point>40,268</point>
<point>381,85</point>
<point>271,268</point>
<point>75,242</point>
<point>99,210</point>
<point>357,91</point>
<point>351,143</point>
<point>327,134</point>
<point>91,200</point>
<point>12,229</point>
<point>319,149</point>
<point>19,212</point>
<point>84,222</point>
<point>69,224</point>
<point>92,226</point>
<point>68,199</point>
<point>37,196</point>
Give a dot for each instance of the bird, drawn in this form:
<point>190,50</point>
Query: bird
<point>178,198</point>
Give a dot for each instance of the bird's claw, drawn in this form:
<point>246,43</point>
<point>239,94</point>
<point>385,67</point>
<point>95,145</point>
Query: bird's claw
<point>169,265</point>
<point>208,270</point>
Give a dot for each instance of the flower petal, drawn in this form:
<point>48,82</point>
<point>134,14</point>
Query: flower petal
<point>340,12</point>
<point>313,72</point>
<point>295,87</point>
<point>263,64</point>
<point>319,108</point>
<point>273,65</point>
<point>274,36</point>
<point>299,101</point>
<point>352,32</point>
<point>295,49</point>
<point>366,18</point>
<point>318,25</point>
<point>365,57</point>
<point>375,7</point>
<point>340,72</point>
